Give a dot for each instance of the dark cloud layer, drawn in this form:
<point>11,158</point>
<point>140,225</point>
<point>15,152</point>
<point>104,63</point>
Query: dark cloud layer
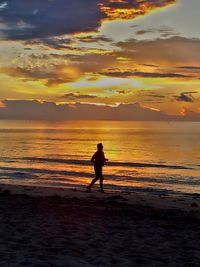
<point>35,110</point>
<point>190,67</point>
<point>76,97</point>
<point>173,51</point>
<point>40,19</point>
<point>124,74</point>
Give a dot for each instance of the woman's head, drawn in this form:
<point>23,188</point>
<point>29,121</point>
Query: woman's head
<point>100,146</point>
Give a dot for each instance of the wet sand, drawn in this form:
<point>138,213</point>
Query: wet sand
<point>65,227</point>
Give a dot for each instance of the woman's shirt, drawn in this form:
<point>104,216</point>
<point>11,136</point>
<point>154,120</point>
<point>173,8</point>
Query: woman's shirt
<point>98,158</point>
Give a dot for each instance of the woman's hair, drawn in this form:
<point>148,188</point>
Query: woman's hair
<point>99,145</point>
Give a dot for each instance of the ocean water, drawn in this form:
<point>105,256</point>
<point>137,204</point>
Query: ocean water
<point>156,157</point>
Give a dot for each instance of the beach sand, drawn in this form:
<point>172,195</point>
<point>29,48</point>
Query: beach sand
<point>67,227</point>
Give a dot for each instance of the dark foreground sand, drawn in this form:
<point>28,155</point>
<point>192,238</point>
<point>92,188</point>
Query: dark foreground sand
<point>94,230</point>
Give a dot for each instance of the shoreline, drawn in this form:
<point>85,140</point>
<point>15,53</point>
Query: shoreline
<point>184,202</point>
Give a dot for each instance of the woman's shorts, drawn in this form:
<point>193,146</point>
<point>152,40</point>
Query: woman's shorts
<point>98,171</point>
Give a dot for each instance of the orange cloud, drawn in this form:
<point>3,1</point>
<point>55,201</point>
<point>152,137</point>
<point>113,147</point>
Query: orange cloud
<point>126,9</point>
<point>58,75</point>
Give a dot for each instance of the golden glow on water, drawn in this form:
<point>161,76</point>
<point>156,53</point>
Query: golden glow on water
<point>64,151</point>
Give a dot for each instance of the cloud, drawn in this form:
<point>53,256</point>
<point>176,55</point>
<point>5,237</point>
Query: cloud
<point>67,42</point>
<point>141,32</point>
<point>156,58</point>
<point>124,74</point>
<point>185,97</point>
<point>52,42</point>
<point>153,95</point>
<point>121,92</point>
<point>76,97</point>
<point>49,18</point>
<point>35,110</point>
<point>149,65</point>
<point>164,32</point>
<point>189,67</point>
<point>53,69</point>
<point>27,20</point>
<point>57,74</point>
<point>91,39</point>
<point>127,9</point>
<point>3,5</point>
<point>173,51</point>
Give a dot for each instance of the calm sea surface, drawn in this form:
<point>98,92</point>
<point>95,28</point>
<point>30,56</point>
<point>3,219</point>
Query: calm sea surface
<point>158,157</point>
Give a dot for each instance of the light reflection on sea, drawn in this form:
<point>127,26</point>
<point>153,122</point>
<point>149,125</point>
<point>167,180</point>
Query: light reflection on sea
<point>144,155</point>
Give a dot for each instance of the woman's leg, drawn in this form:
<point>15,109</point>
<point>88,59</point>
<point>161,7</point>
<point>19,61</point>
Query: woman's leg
<point>93,182</point>
<point>101,184</point>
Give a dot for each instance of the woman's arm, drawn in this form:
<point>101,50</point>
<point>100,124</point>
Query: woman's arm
<point>93,158</point>
<point>104,158</point>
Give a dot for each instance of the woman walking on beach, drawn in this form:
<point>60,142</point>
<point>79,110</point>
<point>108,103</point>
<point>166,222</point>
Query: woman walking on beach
<point>98,159</point>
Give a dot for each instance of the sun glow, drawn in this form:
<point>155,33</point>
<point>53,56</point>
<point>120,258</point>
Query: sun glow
<point>2,105</point>
<point>119,51</point>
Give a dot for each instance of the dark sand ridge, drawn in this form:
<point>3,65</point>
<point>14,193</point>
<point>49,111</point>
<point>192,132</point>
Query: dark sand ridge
<point>63,227</point>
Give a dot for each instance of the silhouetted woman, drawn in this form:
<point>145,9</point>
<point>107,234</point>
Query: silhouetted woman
<point>98,159</point>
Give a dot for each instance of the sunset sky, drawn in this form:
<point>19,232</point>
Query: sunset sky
<point>135,54</point>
